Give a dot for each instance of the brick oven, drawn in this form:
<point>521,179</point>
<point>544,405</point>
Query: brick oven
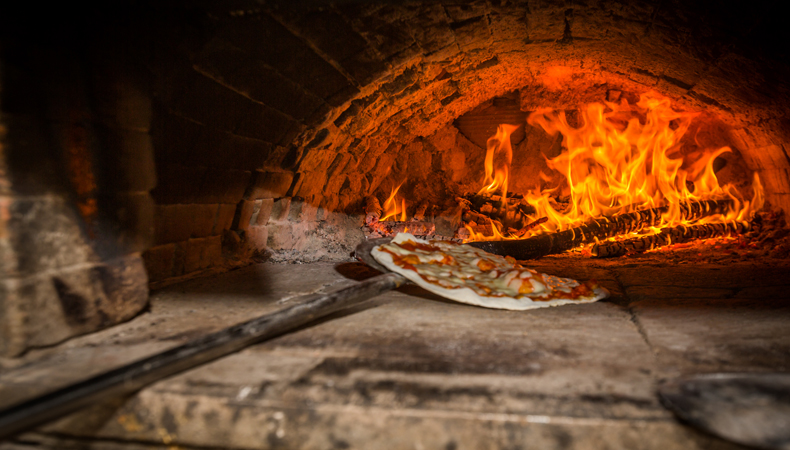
<point>168,170</point>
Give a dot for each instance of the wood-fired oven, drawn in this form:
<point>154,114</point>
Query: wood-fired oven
<point>171,169</point>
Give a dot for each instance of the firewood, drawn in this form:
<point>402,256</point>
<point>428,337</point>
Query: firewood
<point>530,226</point>
<point>419,214</point>
<point>463,203</point>
<point>373,210</point>
<point>372,205</point>
<point>514,219</point>
<point>439,237</point>
<point>472,216</point>
<point>667,236</point>
<point>599,229</point>
<point>513,213</point>
<point>485,229</point>
<point>393,227</point>
<point>513,201</point>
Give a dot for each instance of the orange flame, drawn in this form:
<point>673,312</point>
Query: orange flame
<point>498,147</point>
<point>394,205</point>
<point>610,170</point>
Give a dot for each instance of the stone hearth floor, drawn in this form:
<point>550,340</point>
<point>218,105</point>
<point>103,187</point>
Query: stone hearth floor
<point>410,370</point>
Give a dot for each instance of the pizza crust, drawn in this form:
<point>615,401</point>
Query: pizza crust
<point>545,290</point>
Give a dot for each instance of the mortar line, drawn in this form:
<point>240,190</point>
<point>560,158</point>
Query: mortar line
<point>632,314</point>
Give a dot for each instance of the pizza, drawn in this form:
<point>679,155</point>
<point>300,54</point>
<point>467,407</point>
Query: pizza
<point>470,275</point>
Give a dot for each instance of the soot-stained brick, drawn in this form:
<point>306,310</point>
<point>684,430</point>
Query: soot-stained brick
<point>483,364</point>
<point>245,73</point>
<point>169,420</point>
<point>290,56</point>
<point>74,305</point>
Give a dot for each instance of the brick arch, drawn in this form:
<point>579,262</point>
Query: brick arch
<point>318,101</point>
<point>369,135</point>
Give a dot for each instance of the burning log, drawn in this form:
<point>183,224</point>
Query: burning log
<point>420,213</point>
<point>479,202</point>
<point>486,229</point>
<point>375,227</point>
<point>512,211</point>
<point>385,228</point>
<point>600,229</point>
<point>420,229</point>
<point>439,237</point>
<point>472,216</point>
<point>373,210</point>
<point>391,228</point>
<point>530,226</point>
<point>674,235</point>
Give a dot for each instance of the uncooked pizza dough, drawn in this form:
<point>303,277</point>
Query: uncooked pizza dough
<point>470,275</point>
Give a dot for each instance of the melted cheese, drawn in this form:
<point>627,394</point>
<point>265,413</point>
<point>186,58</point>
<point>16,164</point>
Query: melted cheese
<point>451,266</point>
<point>470,275</point>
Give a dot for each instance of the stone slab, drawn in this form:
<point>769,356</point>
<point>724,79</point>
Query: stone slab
<point>177,315</point>
<point>711,317</point>
<point>694,335</point>
<point>411,370</point>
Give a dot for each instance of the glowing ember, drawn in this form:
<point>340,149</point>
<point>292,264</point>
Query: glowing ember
<point>616,163</point>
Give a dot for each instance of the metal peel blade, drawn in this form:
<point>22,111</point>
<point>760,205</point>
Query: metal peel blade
<point>747,408</point>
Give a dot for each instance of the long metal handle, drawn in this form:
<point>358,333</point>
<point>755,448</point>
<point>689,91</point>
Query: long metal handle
<point>134,376</point>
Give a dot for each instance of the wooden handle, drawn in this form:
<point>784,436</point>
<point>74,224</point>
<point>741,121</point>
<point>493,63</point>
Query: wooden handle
<point>130,378</point>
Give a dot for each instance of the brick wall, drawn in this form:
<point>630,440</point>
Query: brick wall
<point>76,167</point>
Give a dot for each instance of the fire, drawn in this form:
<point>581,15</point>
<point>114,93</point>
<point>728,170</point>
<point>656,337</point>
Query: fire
<point>616,163</point>
<point>394,206</point>
<point>498,147</point>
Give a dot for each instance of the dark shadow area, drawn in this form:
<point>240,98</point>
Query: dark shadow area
<point>356,271</point>
<point>252,279</point>
<point>359,271</point>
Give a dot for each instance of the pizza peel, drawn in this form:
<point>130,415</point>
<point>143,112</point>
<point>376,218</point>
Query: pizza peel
<point>363,253</point>
<point>129,378</point>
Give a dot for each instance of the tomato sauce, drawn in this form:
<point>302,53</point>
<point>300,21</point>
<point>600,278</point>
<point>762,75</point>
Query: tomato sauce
<point>408,262</point>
